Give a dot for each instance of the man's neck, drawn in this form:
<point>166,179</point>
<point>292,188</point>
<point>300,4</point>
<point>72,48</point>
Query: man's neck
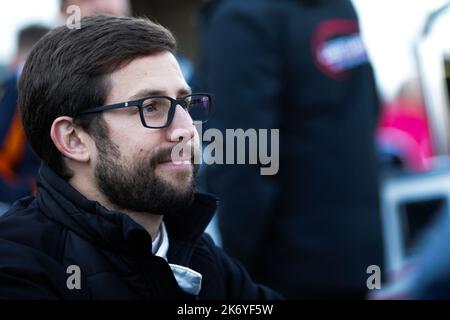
<point>150,222</point>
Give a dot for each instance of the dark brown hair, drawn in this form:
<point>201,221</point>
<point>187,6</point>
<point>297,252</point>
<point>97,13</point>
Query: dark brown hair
<point>68,70</point>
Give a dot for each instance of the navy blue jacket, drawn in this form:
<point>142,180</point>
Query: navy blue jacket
<point>298,66</point>
<point>41,237</point>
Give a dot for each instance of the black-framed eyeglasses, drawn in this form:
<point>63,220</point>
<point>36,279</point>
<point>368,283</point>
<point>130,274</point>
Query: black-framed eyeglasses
<point>158,111</point>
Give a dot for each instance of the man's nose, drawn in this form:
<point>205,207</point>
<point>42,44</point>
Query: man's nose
<point>181,128</point>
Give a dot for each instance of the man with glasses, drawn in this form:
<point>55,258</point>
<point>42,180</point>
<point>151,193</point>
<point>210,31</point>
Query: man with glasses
<point>116,215</point>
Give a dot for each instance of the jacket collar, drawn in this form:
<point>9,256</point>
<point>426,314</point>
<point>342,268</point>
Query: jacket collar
<point>63,203</point>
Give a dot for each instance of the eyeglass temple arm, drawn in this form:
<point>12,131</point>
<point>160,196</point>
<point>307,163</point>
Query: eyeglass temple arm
<point>110,107</point>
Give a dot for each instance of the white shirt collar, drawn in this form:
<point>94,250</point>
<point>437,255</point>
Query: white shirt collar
<point>190,281</point>
<point>160,246</point>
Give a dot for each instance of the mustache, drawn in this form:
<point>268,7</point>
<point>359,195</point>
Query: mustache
<point>165,155</point>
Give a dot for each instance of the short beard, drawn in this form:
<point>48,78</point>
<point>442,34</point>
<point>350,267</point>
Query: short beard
<point>136,187</point>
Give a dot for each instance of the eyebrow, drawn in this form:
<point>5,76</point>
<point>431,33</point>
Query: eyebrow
<point>151,92</point>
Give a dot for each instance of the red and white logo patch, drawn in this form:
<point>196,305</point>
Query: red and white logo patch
<point>338,47</point>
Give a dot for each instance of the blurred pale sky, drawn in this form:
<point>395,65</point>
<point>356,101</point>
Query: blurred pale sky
<point>17,14</point>
<point>390,28</point>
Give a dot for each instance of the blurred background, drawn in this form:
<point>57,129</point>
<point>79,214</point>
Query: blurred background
<point>407,44</point>
<point>389,27</point>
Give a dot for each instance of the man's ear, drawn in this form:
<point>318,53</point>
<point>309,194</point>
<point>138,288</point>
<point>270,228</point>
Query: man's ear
<point>71,141</point>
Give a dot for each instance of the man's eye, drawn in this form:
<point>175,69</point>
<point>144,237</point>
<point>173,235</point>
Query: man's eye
<point>149,108</point>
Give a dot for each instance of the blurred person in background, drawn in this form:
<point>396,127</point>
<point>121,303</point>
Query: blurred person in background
<point>403,133</point>
<point>115,8</point>
<point>94,7</point>
<point>18,164</point>
<point>312,230</point>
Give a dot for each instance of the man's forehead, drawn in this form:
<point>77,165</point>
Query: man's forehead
<point>156,74</point>
<point>156,64</point>
<point>147,92</point>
